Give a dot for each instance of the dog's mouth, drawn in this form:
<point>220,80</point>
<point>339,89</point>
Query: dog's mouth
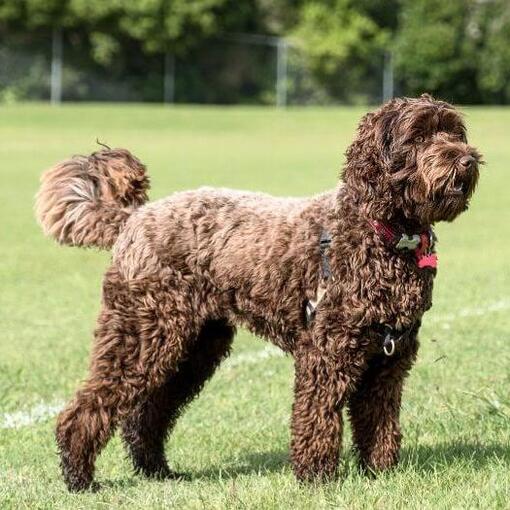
<point>458,189</point>
<point>455,198</point>
<point>461,186</point>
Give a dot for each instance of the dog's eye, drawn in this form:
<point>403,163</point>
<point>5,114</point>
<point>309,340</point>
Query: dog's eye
<point>419,139</point>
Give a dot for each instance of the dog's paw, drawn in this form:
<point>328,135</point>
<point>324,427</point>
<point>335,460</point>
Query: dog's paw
<point>161,472</point>
<point>316,475</point>
<point>82,485</point>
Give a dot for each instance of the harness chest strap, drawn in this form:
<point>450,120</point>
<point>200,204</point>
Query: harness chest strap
<point>422,245</point>
<point>406,242</point>
<point>312,304</point>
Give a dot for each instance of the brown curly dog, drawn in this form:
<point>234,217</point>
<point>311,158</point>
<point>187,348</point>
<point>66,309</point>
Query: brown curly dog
<point>340,281</point>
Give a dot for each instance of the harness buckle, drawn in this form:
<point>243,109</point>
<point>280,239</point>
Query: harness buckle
<point>389,345</point>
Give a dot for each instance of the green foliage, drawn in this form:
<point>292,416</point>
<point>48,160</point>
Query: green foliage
<point>436,48</point>
<point>104,47</point>
<point>176,24</point>
<point>456,49</point>
<point>494,65</point>
<point>341,43</point>
<point>24,69</point>
<point>158,24</point>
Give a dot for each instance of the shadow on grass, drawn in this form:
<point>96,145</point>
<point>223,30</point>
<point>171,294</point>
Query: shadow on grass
<point>422,458</point>
<point>428,458</point>
<point>252,463</point>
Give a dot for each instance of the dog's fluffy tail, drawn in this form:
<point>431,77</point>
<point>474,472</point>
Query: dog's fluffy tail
<point>85,201</point>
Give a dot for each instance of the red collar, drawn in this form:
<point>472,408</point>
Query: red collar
<point>422,244</point>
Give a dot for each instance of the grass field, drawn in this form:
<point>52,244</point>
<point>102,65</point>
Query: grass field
<point>233,440</point>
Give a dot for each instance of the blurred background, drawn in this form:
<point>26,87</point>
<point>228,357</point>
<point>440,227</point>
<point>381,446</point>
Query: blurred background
<point>116,65</point>
<point>283,52</point>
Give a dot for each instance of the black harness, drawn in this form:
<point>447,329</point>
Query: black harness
<point>312,304</point>
<point>391,336</point>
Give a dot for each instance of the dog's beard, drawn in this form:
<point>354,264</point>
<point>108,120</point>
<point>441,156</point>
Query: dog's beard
<point>441,189</point>
<point>438,188</point>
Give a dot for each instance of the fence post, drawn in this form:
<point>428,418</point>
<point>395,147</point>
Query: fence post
<point>169,78</point>
<point>388,87</point>
<point>56,66</point>
<point>281,73</point>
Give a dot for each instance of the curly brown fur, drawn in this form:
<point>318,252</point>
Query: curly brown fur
<point>84,201</point>
<point>145,430</point>
<point>187,268</point>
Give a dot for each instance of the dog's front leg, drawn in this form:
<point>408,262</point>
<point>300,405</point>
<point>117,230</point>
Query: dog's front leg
<point>374,408</point>
<point>319,393</point>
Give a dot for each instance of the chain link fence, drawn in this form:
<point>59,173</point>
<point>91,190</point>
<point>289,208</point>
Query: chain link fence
<point>235,69</point>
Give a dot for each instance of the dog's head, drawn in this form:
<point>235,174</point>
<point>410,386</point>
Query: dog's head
<point>411,158</point>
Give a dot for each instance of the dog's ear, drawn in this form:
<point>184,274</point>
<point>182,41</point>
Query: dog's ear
<point>369,160</point>
<point>427,97</point>
<point>361,154</point>
<point>385,133</point>
<point>370,154</point>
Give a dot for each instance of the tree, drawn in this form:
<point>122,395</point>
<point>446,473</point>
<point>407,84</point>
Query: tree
<point>437,49</point>
<point>159,25</point>
<point>494,62</point>
<point>344,43</point>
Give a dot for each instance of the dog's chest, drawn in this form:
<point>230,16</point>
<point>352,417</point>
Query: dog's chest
<point>410,296</point>
<point>376,287</point>
<point>403,292</point>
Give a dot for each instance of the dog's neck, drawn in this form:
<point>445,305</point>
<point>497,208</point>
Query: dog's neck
<point>349,203</point>
<point>402,223</point>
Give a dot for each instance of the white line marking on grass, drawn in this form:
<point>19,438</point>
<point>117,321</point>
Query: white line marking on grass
<point>23,418</point>
<point>479,311</point>
<point>248,358</point>
<point>44,411</point>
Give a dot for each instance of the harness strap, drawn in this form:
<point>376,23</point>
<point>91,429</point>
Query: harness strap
<point>326,274</point>
<point>391,337</point>
<point>325,243</point>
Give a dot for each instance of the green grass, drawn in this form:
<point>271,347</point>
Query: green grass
<point>233,440</point>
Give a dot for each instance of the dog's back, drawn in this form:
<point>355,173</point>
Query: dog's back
<point>260,251</point>
<point>217,232</point>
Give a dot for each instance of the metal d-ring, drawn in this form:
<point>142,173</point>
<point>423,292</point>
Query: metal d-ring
<point>391,350</point>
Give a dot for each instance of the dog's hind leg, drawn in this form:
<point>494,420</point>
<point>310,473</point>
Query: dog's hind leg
<point>113,386</point>
<point>145,330</point>
<point>145,430</point>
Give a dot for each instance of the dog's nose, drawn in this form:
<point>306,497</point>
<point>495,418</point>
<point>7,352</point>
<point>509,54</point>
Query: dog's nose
<point>467,161</point>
